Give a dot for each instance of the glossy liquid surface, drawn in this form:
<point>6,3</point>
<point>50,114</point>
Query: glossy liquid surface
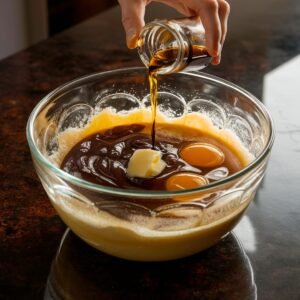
<point>103,158</point>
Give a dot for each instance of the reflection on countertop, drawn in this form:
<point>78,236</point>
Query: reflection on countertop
<point>80,272</point>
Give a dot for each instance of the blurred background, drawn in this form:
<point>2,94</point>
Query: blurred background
<point>26,22</point>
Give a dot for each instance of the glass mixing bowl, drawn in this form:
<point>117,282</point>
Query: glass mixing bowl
<point>148,225</point>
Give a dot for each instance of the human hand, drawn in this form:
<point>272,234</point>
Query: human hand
<point>213,14</point>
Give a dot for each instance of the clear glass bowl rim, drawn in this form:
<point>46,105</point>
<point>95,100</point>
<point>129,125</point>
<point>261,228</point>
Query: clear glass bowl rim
<point>143,193</point>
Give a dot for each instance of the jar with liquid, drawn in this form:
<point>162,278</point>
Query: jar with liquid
<point>170,46</point>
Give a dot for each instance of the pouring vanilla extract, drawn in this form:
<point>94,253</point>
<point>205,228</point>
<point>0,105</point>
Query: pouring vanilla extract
<point>170,46</point>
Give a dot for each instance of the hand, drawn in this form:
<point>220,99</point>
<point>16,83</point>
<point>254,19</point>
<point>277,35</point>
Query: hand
<point>213,14</point>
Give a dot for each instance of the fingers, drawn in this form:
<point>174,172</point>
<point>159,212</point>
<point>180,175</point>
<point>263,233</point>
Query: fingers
<point>214,16</point>
<point>213,13</point>
<point>224,10</point>
<point>133,12</point>
<point>179,5</point>
<point>209,14</point>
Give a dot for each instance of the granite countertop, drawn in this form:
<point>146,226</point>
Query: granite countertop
<point>259,260</point>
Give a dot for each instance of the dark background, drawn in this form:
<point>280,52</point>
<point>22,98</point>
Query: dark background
<point>63,14</point>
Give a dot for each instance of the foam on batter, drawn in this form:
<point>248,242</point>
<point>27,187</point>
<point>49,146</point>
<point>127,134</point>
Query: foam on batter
<point>193,123</point>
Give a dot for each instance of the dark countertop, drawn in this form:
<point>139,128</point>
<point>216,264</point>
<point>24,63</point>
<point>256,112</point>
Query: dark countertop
<point>262,54</point>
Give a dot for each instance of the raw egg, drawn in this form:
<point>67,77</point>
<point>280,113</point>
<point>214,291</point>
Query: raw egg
<point>202,155</point>
<point>185,180</point>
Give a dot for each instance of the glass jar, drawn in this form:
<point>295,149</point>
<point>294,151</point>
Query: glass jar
<point>170,46</point>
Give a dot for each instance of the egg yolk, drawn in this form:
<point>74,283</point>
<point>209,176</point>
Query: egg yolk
<point>183,181</point>
<point>202,155</point>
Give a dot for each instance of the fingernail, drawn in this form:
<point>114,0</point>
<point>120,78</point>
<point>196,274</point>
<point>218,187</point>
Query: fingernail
<point>216,60</point>
<point>131,38</point>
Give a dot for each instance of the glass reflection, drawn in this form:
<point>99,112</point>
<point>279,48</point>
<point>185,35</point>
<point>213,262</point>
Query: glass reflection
<point>81,272</point>
<point>246,234</point>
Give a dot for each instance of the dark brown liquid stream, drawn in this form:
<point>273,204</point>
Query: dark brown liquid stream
<point>153,100</point>
<point>164,58</point>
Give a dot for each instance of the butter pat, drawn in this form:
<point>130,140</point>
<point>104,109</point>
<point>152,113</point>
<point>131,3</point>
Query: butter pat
<point>145,163</point>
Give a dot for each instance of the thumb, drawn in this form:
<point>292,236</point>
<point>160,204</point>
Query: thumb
<point>133,12</point>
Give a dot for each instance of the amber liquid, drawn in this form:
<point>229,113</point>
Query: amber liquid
<point>153,100</point>
<point>164,58</point>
